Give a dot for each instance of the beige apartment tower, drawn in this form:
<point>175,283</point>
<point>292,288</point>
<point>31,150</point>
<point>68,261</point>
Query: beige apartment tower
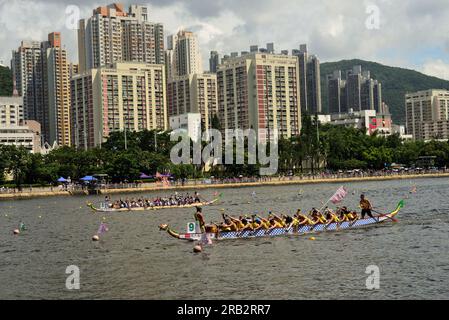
<point>122,96</point>
<point>260,91</point>
<point>195,93</point>
<point>183,55</point>
<point>427,114</point>
<point>115,35</point>
<point>42,76</point>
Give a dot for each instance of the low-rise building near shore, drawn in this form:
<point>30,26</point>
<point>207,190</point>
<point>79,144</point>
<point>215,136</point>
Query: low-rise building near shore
<point>190,122</point>
<point>14,130</point>
<point>368,120</point>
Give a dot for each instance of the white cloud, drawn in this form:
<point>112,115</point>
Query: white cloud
<point>437,68</point>
<point>333,29</point>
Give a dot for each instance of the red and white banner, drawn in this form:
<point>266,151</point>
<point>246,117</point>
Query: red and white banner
<point>339,195</point>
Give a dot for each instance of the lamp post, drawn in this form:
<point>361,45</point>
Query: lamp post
<point>126,140</point>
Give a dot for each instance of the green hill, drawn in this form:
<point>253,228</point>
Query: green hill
<point>5,81</point>
<point>395,83</point>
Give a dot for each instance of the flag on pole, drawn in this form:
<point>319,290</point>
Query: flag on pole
<point>339,195</point>
<point>205,239</point>
<point>102,229</point>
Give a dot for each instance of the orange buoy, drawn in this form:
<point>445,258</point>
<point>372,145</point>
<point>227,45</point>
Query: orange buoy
<point>312,238</point>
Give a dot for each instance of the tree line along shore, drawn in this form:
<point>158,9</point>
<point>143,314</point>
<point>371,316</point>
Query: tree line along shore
<point>319,149</point>
<point>27,193</point>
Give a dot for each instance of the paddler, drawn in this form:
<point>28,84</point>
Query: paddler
<point>228,226</point>
<point>197,197</point>
<point>262,223</point>
<point>303,219</point>
<point>331,216</point>
<point>279,220</point>
<point>317,217</point>
<point>366,207</point>
<point>275,224</point>
<point>200,219</point>
<point>345,215</point>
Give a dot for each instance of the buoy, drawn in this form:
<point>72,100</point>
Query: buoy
<point>6,215</point>
<point>16,231</point>
<point>104,218</point>
<point>40,217</point>
<point>312,238</point>
<point>95,238</point>
<point>197,249</point>
<point>222,210</point>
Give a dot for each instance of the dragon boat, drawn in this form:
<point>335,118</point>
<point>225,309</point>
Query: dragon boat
<point>104,208</point>
<point>304,230</point>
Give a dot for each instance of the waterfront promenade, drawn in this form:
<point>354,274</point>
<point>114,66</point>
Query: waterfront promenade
<point>8,194</point>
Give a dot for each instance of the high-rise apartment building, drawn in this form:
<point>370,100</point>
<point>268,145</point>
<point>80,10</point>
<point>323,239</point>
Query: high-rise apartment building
<point>353,88</point>
<point>310,77</point>
<point>184,54</point>
<point>427,114</point>
<point>195,93</point>
<point>118,97</point>
<point>377,92</point>
<point>214,61</point>
<point>41,72</point>
<point>260,91</point>
<point>254,49</point>
<point>30,77</point>
<point>357,92</point>
<point>336,93</point>
<point>114,35</point>
<point>73,70</point>
<point>58,75</point>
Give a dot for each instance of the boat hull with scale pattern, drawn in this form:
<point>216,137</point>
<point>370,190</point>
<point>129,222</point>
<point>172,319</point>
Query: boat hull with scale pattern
<point>285,231</point>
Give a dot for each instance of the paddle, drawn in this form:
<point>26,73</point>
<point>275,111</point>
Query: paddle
<point>385,215</point>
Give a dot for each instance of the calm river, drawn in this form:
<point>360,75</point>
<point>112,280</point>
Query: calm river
<point>136,261</point>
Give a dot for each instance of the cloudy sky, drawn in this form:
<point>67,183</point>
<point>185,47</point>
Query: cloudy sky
<point>406,33</point>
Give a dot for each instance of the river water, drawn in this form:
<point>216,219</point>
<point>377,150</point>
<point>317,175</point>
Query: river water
<point>136,261</point>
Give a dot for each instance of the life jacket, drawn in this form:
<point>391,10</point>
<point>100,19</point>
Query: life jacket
<point>211,229</point>
<point>240,225</point>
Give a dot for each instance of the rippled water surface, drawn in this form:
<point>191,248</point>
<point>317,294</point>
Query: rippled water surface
<point>136,261</point>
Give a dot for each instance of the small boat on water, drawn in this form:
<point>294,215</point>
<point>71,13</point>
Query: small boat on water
<point>285,231</point>
<point>105,208</point>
